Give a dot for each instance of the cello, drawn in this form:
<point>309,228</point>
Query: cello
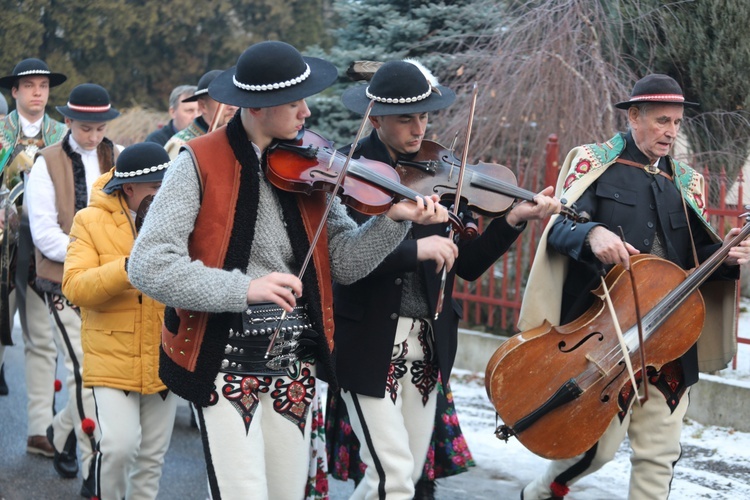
<point>556,388</point>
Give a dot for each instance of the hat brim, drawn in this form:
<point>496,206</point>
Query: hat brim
<point>355,99</point>
<point>322,76</point>
<point>627,104</point>
<point>115,182</point>
<point>55,79</point>
<point>106,116</point>
<point>194,97</point>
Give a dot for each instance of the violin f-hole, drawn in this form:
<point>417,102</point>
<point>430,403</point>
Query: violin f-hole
<point>597,335</point>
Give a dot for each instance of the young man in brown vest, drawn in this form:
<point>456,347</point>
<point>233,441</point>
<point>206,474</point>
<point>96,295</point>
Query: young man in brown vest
<point>221,247</point>
<point>59,186</point>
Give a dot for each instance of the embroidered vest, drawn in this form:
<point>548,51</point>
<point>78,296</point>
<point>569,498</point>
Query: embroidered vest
<point>192,341</point>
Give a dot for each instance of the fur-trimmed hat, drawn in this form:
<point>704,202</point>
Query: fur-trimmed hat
<point>399,88</point>
<point>656,88</point>
<point>142,162</point>
<point>89,102</point>
<point>271,74</point>
<point>203,84</point>
<point>32,67</point>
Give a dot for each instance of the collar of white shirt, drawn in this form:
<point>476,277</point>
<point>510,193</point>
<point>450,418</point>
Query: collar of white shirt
<point>30,129</point>
<point>78,149</point>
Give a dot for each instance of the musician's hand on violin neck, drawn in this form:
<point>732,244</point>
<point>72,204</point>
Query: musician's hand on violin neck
<point>438,248</point>
<point>426,210</point>
<point>609,247</point>
<point>280,288</point>
<point>544,205</point>
<point>739,254</point>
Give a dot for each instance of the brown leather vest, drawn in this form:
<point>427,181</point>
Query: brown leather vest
<point>60,169</point>
<point>219,173</point>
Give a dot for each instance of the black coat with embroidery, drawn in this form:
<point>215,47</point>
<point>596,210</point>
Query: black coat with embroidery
<point>367,312</point>
<point>639,202</point>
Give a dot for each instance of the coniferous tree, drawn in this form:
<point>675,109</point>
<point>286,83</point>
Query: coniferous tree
<point>430,31</point>
<point>140,50</point>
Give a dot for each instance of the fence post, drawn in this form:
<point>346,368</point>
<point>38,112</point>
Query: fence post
<point>552,163</point>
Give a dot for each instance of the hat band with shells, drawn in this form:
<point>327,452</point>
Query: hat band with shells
<point>273,86</point>
<point>141,171</point>
<point>88,109</point>
<point>398,100</point>
<point>658,97</point>
<point>34,72</point>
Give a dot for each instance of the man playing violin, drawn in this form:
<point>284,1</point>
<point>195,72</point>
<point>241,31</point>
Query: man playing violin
<point>631,182</point>
<point>221,246</point>
<point>389,349</point>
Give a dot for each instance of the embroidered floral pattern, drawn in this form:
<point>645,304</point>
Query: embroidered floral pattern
<point>670,381</point>
<point>396,370</point>
<point>292,400</point>
<point>447,455</point>
<point>423,371</point>
<point>242,394</point>
<point>317,480</point>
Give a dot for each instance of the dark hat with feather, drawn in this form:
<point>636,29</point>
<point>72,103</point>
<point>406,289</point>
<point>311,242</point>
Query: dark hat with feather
<point>398,88</point>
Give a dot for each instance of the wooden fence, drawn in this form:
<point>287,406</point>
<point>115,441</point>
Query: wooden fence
<point>492,302</point>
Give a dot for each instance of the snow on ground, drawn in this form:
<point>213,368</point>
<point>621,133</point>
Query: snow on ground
<point>715,462</point>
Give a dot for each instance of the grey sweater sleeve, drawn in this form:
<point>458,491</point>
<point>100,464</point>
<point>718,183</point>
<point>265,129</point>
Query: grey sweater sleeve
<point>357,250</point>
<point>159,264</point>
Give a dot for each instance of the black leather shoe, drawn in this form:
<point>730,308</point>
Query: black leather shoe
<point>3,385</point>
<point>65,462</point>
<point>88,487</point>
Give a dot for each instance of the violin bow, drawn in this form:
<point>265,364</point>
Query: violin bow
<point>331,200</point>
<point>620,337</point>
<point>457,202</point>
<point>215,119</point>
<point>641,346</point>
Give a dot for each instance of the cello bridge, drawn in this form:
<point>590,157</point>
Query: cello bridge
<point>601,369</point>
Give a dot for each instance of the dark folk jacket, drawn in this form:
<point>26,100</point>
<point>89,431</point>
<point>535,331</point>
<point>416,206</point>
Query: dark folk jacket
<point>629,197</point>
<point>366,312</point>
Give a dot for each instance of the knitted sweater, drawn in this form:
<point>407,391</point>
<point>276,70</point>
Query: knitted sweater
<point>161,267</point>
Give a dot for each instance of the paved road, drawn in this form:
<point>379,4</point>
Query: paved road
<point>24,476</point>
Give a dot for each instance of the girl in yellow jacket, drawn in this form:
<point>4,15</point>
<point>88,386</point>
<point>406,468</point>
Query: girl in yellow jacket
<point>121,328</point>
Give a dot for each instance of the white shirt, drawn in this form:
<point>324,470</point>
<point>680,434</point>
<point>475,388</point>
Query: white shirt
<point>39,192</point>
<point>30,129</point>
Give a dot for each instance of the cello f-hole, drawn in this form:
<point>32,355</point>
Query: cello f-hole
<point>598,336</point>
<point>605,397</point>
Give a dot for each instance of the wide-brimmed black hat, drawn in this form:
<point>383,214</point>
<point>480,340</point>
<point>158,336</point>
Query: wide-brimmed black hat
<point>656,88</point>
<point>142,162</point>
<point>399,88</point>
<point>271,74</point>
<point>32,67</point>
<point>203,84</point>
<point>89,102</point>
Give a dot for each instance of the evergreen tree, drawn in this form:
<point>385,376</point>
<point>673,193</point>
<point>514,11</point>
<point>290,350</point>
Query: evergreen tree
<point>703,46</point>
<point>430,31</point>
<point>140,50</point>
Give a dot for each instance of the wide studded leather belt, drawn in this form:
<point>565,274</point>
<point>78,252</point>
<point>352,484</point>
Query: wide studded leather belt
<point>248,340</point>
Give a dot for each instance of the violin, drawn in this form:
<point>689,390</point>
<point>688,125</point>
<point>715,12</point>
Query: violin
<point>556,388</point>
<point>489,189</point>
<point>310,163</point>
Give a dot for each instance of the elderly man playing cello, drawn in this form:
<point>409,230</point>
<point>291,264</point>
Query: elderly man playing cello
<point>631,182</point>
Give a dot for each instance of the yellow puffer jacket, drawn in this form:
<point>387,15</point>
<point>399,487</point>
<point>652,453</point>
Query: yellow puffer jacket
<point>120,327</point>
